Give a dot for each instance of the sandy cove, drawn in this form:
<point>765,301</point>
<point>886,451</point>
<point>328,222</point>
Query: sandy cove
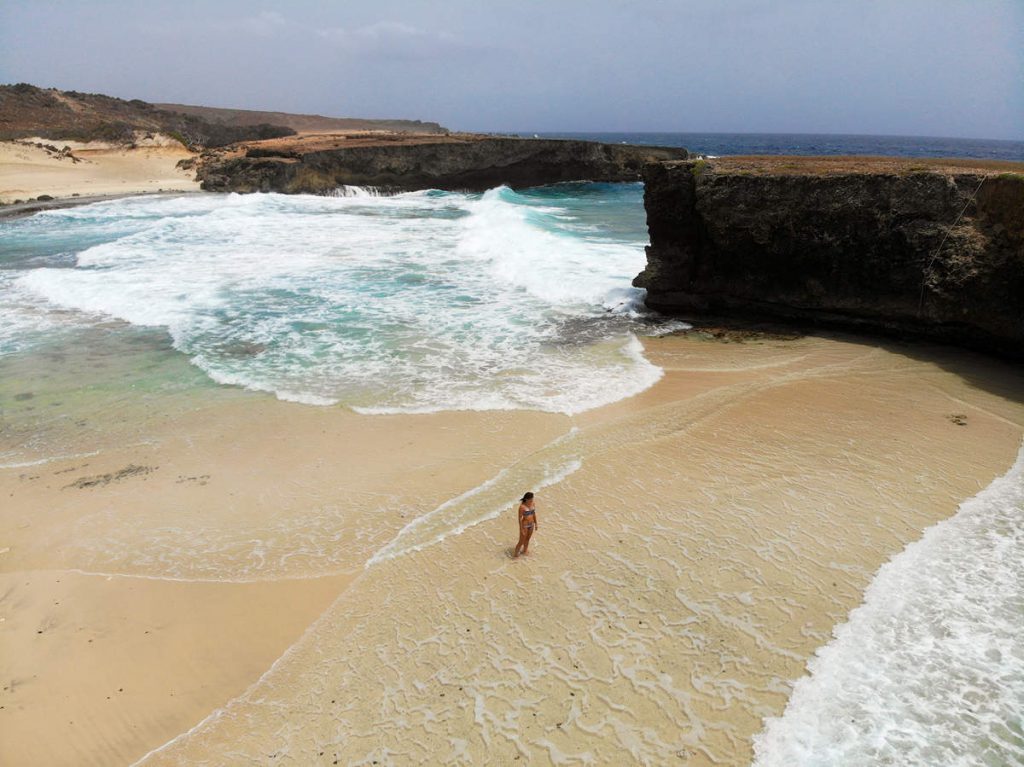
<point>27,171</point>
<point>707,536</point>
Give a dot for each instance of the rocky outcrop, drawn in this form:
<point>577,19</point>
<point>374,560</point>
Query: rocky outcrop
<point>930,248</point>
<point>452,163</point>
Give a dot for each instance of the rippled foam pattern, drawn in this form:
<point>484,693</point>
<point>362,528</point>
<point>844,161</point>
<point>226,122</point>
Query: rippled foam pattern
<point>929,669</point>
<point>416,302</point>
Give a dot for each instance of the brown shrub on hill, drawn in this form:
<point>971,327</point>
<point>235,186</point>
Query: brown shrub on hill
<point>304,123</point>
<point>26,110</point>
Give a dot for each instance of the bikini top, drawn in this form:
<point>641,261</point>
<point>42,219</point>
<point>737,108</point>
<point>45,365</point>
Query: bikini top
<point>529,512</point>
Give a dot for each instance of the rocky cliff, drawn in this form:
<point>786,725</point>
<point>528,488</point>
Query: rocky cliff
<point>930,248</point>
<point>462,162</point>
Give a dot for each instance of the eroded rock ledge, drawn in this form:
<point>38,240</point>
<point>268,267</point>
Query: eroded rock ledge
<point>931,248</point>
<point>318,164</point>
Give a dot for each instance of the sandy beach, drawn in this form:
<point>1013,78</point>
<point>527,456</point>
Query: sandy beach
<point>257,581</point>
<point>27,171</point>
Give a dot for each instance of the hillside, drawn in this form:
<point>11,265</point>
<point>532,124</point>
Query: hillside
<point>302,123</point>
<point>26,110</point>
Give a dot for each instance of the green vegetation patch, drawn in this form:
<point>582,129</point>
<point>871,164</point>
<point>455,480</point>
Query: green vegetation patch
<point>179,138</point>
<point>1015,177</point>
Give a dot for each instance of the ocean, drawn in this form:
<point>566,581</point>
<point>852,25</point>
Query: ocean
<point>506,300</point>
<point>720,144</point>
<point>409,303</point>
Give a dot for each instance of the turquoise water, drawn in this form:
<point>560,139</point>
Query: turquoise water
<point>415,302</point>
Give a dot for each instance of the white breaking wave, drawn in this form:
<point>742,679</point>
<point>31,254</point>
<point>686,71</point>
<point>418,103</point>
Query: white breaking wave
<point>414,302</point>
<point>346,190</point>
<point>553,266</point>
<point>43,461</point>
<point>930,669</point>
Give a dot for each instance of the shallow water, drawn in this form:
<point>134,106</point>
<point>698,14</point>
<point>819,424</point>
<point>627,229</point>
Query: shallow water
<point>680,579</point>
<point>930,669</point>
<point>411,303</point>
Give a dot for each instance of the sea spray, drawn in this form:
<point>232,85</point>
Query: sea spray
<point>412,302</point>
<point>930,669</point>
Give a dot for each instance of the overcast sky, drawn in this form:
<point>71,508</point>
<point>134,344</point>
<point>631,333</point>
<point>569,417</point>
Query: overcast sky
<point>917,67</point>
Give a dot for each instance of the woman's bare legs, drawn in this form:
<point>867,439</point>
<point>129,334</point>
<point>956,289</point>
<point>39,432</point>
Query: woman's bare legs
<point>524,540</point>
<point>522,543</point>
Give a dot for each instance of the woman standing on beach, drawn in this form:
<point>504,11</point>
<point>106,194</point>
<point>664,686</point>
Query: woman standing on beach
<point>527,522</point>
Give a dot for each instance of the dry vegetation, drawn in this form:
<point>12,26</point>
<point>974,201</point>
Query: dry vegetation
<point>26,110</point>
<point>300,122</point>
<point>830,166</point>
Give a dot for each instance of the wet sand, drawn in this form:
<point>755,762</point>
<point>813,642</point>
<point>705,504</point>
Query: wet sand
<point>703,540</point>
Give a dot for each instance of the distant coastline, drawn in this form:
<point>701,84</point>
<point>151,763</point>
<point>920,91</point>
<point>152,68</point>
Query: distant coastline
<point>810,144</point>
<point>18,210</point>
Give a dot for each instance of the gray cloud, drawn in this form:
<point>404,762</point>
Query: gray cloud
<point>934,67</point>
<point>397,41</point>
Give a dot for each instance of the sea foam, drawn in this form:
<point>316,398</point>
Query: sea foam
<point>548,465</point>
<point>406,303</point>
<point>930,669</point>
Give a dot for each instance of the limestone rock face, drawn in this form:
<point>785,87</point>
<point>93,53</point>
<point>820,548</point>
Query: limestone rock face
<point>933,250</point>
<point>451,164</point>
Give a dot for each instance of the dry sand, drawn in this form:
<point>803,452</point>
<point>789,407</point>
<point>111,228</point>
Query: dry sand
<point>27,171</point>
<point>704,540</point>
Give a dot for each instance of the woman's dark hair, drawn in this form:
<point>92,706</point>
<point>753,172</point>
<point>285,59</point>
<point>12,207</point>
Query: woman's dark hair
<point>526,497</point>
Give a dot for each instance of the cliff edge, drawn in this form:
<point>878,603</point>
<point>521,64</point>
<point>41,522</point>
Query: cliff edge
<point>320,164</point>
<point>932,248</point>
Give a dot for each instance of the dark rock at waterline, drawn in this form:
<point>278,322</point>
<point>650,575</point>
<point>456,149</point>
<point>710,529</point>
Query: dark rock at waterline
<point>926,248</point>
<point>452,163</point>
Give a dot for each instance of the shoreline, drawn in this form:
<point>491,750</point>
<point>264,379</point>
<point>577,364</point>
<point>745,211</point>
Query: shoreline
<point>714,544</point>
<point>23,209</point>
<point>30,169</point>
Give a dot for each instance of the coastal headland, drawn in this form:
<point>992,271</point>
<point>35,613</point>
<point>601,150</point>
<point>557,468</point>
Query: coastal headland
<point>62,144</point>
<point>464,161</point>
<point>916,246</point>
<point>57,146</point>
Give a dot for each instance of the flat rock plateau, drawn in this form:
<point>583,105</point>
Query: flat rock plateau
<point>931,248</point>
<point>321,163</point>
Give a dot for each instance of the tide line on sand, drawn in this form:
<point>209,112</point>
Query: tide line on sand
<point>937,636</point>
<point>468,509</point>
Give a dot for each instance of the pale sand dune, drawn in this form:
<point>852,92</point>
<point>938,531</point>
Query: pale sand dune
<point>707,536</point>
<point>27,171</point>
